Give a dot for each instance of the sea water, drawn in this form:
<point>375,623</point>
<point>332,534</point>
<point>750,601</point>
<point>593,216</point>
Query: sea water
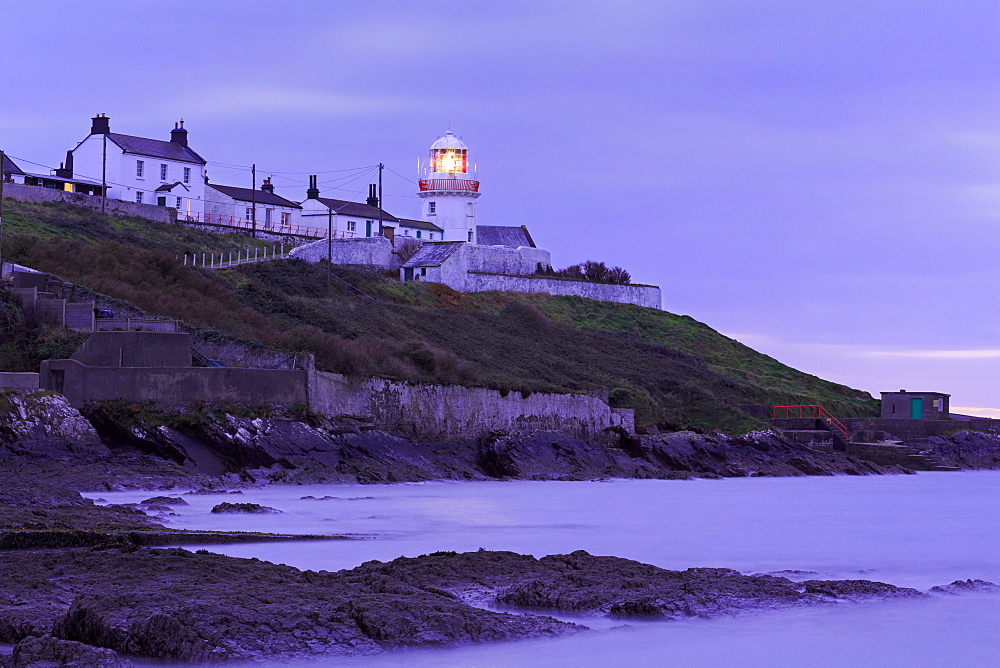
<point>914,531</point>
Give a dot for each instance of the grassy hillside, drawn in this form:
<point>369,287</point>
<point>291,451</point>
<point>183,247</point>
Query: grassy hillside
<point>675,371</point>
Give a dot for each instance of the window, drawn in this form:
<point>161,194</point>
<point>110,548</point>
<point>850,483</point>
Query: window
<point>267,217</point>
<point>418,234</point>
<point>138,197</point>
<point>352,226</point>
<point>249,213</point>
<point>286,218</point>
<point>139,168</point>
<point>470,209</point>
<point>178,203</point>
<point>432,236</point>
<point>163,172</point>
<point>431,208</point>
<point>187,175</point>
<point>423,271</point>
<point>470,236</point>
<point>406,232</point>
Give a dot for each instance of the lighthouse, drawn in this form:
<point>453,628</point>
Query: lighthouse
<point>449,190</point>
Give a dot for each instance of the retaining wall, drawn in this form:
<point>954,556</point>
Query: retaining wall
<point>640,295</point>
<point>365,252</point>
<point>447,412</point>
<point>11,380</point>
<point>114,207</point>
<point>172,385</point>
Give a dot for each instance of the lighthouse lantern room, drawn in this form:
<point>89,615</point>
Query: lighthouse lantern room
<point>448,190</point>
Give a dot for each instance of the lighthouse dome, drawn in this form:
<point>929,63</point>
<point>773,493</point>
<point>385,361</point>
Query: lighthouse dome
<point>449,140</point>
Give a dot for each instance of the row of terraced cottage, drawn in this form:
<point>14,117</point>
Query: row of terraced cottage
<point>168,180</point>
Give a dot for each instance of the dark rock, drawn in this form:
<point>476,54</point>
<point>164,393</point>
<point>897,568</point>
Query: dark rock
<point>858,589</point>
<point>966,587</point>
<point>44,651</point>
<point>164,501</point>
<point>255,508</point>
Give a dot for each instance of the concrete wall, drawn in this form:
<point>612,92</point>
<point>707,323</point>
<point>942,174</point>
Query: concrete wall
<point>640,295</point>
<point>436,412</point>
<point>172,386</point>
<point>135,349</point>
<point>370,253</point>
<point>115,207</point>
<point>12,380</point>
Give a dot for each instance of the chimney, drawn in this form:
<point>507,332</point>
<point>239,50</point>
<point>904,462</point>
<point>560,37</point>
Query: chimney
<point>313,191</point>
<point>179,135</point>
<point>373,195</point>
<point>266,186</point>
<point>65,170</point>
<point>100,125</point>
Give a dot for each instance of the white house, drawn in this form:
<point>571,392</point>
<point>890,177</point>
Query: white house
<point>137,169</point>
<point>449,190</point>
<point>229,205</point>
<point>346,219</point>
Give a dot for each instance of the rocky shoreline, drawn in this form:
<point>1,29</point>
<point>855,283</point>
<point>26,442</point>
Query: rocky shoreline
<point>82,586</point>
<point>204,608</point>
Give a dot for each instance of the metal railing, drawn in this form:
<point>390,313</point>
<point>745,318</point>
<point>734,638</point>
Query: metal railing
<point>817,412</point>
<point>449,184</point>
<point>262,226</point>
<point>226,260</point>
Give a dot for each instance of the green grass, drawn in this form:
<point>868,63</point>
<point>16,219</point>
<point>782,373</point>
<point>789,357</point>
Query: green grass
<point>674,371</point>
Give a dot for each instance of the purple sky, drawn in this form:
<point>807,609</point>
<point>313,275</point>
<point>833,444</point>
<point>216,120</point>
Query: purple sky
<point>820,180</point>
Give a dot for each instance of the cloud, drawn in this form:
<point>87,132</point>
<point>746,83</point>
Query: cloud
<point>254,101</point>
<point>977,411</point>
<point>933,354</point>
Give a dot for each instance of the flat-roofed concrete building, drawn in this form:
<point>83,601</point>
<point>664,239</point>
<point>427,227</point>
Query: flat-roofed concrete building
<point>915,405</point>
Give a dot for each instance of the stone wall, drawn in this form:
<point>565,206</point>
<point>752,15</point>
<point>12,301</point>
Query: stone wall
<point>365,252</point>
<point>114,207</point>
<point>172,386</point>
<point>502,260</point>
<point>446,412</point>
<point>640,295</point>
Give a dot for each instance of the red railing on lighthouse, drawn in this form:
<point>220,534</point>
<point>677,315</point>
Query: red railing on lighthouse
<point>449,184</point>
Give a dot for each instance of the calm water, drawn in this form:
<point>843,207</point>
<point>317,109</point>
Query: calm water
<point>916,531</point>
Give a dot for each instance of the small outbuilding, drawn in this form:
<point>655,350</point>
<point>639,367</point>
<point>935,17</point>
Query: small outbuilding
<point>904,405</point>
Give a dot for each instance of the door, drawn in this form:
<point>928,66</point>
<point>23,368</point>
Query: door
<point>161,201</point>
<point>368,228</point>
<point>407,273</point>
<point>917,409</point>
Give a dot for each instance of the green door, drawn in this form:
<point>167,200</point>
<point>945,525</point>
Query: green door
<point>161,201</point>
<point>368,228</point>
<point>917,409</point>
<point>407,273</point>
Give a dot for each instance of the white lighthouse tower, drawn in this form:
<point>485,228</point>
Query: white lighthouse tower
<point>449,190</point>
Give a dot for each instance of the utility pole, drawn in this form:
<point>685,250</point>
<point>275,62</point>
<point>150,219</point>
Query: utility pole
<point>253,199</point>
<point>3,177</point>
<point>104,175</point>
<point>329,246</point>
<point>380,205</point>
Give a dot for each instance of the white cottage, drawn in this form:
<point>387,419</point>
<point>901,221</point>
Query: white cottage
<point>229,205</point>
<point>346,219</point>
<point>137,169</point>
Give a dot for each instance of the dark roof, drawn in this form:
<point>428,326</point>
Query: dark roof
<point>9,167</point>
<point>345,208</point>
<point>492,235</point>
<point>420,224</point>
<point>433,253</point>
<point>167,187</point>
<point>156,148</point>
<point>251,195</point>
